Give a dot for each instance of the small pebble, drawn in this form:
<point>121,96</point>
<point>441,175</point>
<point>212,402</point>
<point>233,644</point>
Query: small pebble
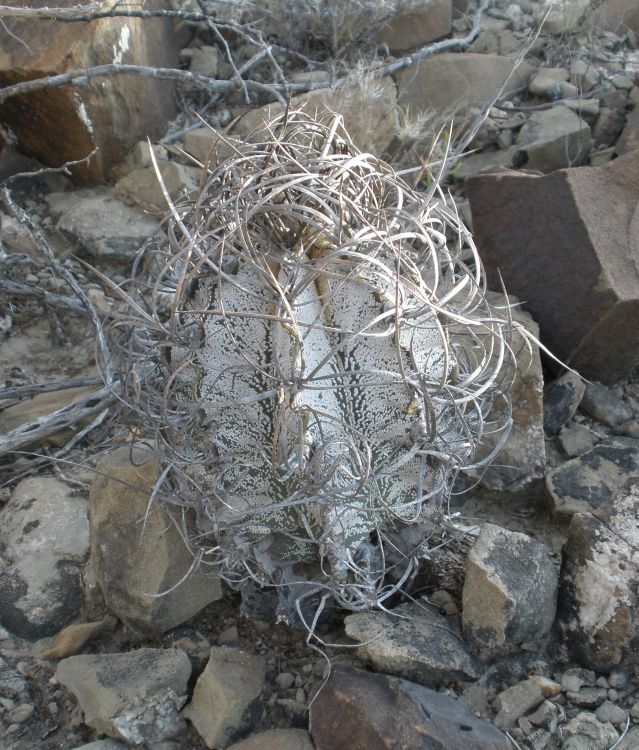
<point>571,683</point>
<point>618,679</point>
<point>285,680</point>
<point>20,713</point>
<point>230,635</point>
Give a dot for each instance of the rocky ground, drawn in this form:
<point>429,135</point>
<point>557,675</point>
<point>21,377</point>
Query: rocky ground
<point>520,633</point>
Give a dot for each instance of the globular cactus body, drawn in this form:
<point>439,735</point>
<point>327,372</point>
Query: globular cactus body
<point>332,360</point>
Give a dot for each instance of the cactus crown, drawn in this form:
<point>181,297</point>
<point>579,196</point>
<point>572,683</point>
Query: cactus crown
<point>320,362</point>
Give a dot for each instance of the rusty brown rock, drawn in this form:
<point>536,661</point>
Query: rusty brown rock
<point>111,113</point>
<point>566,243</point>
<point>357,710</point>
<point>416,24</point>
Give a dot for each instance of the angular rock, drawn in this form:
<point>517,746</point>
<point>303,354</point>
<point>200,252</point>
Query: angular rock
<point>226,702</point>
<point>598,608</point>
<point>629,138</point>
<point>133,696</point>
<point>554,138</point>
<point>143,186</point>
<point>589,318</point>
<point>584,75</point>
<point>356,709</point>
<point>369,109</point>
<point>586,482</point>
<point>610,122</point>
<point>133,560</point>
<point>584,732</point>
<point>515,701</point>
<point>106,228</point>
<point>561,401</point>
<point>510,591</point>
<point>576,440</point>
<point>545,83</point>
<point>455,81</point>
<point>605,406</point>
<point>276,739</point>
<point>45,534</point>
<point>416,23</point>
<point>422,648</point>
<point>103,745</point>
<point>522,457</point>
<point>565,17</point>
<point>57,125</point>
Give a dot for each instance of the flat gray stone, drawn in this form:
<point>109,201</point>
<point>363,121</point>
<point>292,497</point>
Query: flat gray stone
<point>134,696</point>
<point>605,406</point>
<point>515,701</point>
<point>553,139</point>
<point>422,648</point>
<point>106,228</point>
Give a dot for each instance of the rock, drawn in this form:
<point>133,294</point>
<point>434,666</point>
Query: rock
<point>584,75</point>
<point>45,534</point>
<point>226,702</point>
<point>496,42</point>
<point>515,701</point>
<point>566,17</point>
<point>356,709</point>
<point>617,15</point>
<point>133,696</point>
<point>630,741</point>
<point>522,457</point>
<point>58,125</point>
<point>103,745</point>
<point>12,684</point>
<point>415,23</point>
<point>504,604</point>
<point>576,440</point>
<point>587,697</point>
<point>276,739</point>
<point>202,60</point>
<point>605,406</point>
<point>608,126</point>
<point>629,138</point>
<point>17,237</point>
<point>483,161</point>
<point>588,319</point>
<point>601,156</point>
<point>143,186</point>
<point>456,81</point>
<point>369,109</point>
<point>587,109</point>
<point>554,138</point>
<point>72,638</point>
<point>598,611</point>
<point>545,83</point>
<point>134,561</point>
<point>106,228</point>
<point>584,732</point>
<point>210,146</point>
<point>422,648</point>
<point>561,401</point>
<point>586,482</point>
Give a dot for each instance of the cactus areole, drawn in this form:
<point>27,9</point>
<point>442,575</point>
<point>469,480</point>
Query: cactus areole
<point>326,364</point>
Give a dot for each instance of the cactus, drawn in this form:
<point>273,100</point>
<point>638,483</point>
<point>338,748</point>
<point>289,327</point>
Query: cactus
<point>319,362</point>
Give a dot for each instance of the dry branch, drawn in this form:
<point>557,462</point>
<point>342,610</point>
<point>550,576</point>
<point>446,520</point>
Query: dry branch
<point>33,389</point>
<point>59,301</point>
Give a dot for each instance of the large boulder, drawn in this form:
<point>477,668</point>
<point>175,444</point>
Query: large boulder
<point>566,243</point>
<point>110,114</point>
<point>455,81</point>
<point>356,709</point>
<point>136,550</point>
<point>44,538</point>
<point>598,608</point>
<point>510,591</point>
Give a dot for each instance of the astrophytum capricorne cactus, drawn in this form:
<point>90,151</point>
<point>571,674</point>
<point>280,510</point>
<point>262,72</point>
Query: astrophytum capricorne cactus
<point>323,365</point>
